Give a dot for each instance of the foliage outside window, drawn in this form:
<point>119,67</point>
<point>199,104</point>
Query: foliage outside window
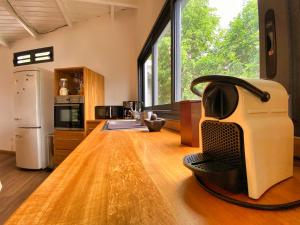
<point>207,47</point>
<point>148,81</point>
<point>163,45</point>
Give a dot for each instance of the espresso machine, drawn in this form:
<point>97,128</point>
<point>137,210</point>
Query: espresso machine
<point>246,138</point>
<point>131,106</point>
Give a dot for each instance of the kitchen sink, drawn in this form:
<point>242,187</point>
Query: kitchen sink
<point>123,124</point>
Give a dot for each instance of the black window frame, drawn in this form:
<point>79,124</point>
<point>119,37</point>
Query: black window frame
<point>166,15</point>
<point>33,58</point>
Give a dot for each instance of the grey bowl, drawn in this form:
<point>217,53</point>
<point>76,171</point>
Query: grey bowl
<point>155,125</point>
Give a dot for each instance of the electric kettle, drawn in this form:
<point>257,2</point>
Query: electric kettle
<point>246,135</point>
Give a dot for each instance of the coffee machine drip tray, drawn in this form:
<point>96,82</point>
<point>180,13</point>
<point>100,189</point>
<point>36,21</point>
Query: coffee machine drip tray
<point>229,177</point>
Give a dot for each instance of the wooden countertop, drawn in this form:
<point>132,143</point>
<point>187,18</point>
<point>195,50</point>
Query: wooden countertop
<point>136,177</point>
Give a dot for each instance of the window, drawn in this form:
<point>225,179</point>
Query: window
<point>157,71</point>
<point>162,68</point>
<point>33,56</point>
<point>193,38</point>
<point>148,82</point>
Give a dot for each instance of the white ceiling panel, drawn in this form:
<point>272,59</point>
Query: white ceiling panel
<point>22,18</point>
<point>79,11</point>
<point>43,16</point>
<point>10,29</point>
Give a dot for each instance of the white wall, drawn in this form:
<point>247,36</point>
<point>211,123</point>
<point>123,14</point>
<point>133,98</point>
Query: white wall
<point>105,46</point>
<point>108,47</point>
<point>146,16</point>
<point>6,100</point>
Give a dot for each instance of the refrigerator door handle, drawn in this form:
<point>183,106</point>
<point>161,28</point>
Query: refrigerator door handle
<point>30,127</point>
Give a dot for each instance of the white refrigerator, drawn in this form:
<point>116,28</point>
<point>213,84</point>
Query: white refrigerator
<point>34,105</point>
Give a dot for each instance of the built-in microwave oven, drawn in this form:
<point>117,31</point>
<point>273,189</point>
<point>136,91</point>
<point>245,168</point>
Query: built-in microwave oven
<point>109,112</point>
<point>69,113</point>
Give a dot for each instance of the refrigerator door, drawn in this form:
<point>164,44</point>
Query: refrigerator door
<point>27,84</point>
<point>29,148</point>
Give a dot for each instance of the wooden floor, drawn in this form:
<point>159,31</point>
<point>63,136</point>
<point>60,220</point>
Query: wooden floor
<point>17,185</point>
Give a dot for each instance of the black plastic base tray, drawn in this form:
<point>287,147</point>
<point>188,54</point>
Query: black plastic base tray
<point>215,172</point>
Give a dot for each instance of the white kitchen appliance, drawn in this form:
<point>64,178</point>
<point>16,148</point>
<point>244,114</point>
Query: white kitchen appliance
<point>34,104</point>
<point>246,137</point>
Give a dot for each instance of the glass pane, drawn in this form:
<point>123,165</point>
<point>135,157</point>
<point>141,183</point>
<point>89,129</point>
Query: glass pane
<point>65,115</point>
<point>163,67</point>
<point>218,37</point>
<point>148,81</point>
<point>75,115</point>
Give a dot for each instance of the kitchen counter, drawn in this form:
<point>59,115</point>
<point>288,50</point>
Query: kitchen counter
<point>136,177</point>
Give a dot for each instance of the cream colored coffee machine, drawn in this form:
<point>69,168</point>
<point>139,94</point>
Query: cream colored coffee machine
<point>246,135</point>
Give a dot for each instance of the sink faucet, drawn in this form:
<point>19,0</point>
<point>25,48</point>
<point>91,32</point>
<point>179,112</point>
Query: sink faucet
<point>137,113</point>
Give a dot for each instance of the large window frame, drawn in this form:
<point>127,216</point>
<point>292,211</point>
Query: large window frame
<point>167,15</point>
<point>171,12</point>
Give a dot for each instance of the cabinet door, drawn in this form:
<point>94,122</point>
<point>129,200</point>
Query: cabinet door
<point>90,126</point>
<point>60,155</point>
<point>27,99</point>
<point>29,153</point>
<point>65,142</point>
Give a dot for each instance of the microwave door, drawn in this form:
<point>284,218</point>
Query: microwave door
<point>62,116</point>
<point>66,117</point>
<point>69,116</point>
<point>103,112</point>
<point>107,112</point>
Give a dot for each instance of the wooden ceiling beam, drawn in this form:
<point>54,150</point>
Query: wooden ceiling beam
<point>116,3</point>
<point>63,10</point>
<point>19,18</point>
<point>112,12</point>
<point>4,43</point>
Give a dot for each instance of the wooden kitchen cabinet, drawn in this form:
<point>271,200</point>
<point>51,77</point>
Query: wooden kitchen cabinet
<point>92,87</point>
<point>84,82</point>
<point>60,155</point>
<point>91,125</point>
<point>64,143</point>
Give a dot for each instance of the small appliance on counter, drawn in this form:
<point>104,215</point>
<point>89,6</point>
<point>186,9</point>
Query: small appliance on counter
<point>154,124</point>
<point>130,107</point>
<point>69,112</point>
<point>63,84</point>
<point>109,112</point>
<point>246,138</point>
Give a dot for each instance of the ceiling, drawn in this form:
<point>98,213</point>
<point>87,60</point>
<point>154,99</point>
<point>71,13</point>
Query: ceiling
<point>24,18</point>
